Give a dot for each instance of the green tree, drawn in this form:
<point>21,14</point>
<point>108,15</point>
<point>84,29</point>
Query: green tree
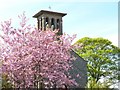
<point>102,58</point>
<point>6,82</point>
<point>93,84</point>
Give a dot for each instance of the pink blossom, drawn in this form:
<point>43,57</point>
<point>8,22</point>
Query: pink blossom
<point>30,52</point>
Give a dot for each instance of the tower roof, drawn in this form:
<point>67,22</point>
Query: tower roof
<point>48,12</point>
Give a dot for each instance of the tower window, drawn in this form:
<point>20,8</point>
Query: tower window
<point>58,24</point>
<point>47,22</point>
<point>41,24</point>
<point>52,23</point>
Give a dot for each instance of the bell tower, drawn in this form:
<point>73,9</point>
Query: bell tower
<point>49,19</point>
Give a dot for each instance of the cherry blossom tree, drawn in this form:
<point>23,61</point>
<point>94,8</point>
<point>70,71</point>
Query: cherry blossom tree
<point>35,58</point>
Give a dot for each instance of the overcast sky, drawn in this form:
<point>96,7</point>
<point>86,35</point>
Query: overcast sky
<point>86,19</point>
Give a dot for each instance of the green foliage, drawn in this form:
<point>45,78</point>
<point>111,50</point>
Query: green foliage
<point>92,84</point>
<point>102,58</point>
<point>5,82</point>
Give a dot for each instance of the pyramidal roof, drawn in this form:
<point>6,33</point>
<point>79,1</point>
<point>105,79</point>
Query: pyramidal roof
<point>48,12</point>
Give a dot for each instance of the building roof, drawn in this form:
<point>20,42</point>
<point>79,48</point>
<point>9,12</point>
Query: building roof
<point>48,12</point>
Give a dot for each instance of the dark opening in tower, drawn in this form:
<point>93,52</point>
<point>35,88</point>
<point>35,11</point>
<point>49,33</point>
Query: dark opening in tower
<point>49,19</point>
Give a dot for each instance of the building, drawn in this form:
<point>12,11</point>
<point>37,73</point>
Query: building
<point>49,19</point>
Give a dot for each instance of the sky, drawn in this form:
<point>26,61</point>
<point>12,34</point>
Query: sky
<point>93,18</point>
